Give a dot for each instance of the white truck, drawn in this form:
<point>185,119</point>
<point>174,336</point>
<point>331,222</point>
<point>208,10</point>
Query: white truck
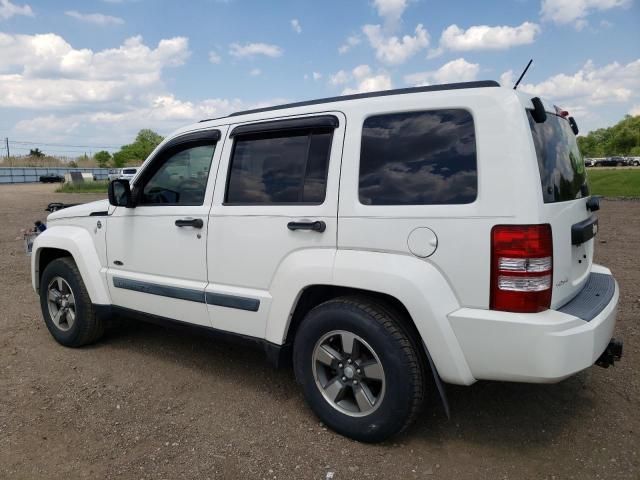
<point>383,243</point>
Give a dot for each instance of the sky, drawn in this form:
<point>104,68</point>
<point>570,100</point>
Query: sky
<point>81,76</point>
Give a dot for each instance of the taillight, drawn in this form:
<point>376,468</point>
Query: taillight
<point>521,268</point>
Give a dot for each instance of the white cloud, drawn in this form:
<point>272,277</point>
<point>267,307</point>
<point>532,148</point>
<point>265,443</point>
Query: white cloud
<point>635,110</point>
<point>163,113</point>
<point>253,49</point>
<point>458,70</point>
<point>103,96</point>
<point>373,83</point>
<point>8,10</point>
<point>214,57</point>
<point>484,37</point>
<point>95,18</point>
<point>613,83</point>
<point>44,71</point>
<point>339,78</point>
<point>295,25</point>
<point>390,10</point>
<point>351,42</point>
<point>393,50</point>
<point>363,78</point>
<point>316,76</point>
<point>575,12</point>
<point>255,72</point>
<point>507,79</point>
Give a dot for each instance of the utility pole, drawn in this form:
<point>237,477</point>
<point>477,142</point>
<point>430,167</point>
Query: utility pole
<point>6,141</point>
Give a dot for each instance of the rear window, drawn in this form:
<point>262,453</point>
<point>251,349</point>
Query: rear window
<point>418,158</point>
<point>561,165</point>
<point>129,171</point>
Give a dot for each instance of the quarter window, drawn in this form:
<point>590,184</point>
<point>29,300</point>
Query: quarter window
<point>418,158</point>
<point>279,167</point>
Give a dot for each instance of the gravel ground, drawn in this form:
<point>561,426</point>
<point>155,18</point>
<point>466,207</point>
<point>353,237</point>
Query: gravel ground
<point>147,402</point>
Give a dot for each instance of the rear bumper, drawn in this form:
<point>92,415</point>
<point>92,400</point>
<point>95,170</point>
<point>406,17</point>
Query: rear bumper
<point>543,347</point>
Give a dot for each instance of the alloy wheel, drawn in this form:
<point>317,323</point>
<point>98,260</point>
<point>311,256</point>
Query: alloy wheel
<point>62,303</point>
<point>348,373</point>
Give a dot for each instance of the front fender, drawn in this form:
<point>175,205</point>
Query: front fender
<point>79,243</point>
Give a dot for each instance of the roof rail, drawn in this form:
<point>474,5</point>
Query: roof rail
<point>384,93</point>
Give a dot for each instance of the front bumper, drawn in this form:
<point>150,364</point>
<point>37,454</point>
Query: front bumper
<point>543,347</point>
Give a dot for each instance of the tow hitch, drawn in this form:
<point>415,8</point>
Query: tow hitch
<point>611,354</point>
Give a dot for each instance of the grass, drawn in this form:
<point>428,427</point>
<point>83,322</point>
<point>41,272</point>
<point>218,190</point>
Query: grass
<point>614,182</point>
<point>84,187</point>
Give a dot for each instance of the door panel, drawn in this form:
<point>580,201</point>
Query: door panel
<point>155,265</point>
<point>248,243</point>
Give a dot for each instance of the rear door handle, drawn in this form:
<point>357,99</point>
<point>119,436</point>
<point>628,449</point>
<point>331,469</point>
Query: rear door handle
<point>190,222</point>
<point>316,226</point>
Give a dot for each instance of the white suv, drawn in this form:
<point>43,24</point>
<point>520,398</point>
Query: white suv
<point>381,242</point>
<point>128,173</point>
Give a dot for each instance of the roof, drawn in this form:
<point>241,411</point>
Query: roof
<point>357,96</point>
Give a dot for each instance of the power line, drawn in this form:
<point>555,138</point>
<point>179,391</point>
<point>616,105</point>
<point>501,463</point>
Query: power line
<point>48,150</point>
<point>24,142</point>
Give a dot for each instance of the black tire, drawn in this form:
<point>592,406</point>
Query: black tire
<point>401,359</point>
<point>87,326</point>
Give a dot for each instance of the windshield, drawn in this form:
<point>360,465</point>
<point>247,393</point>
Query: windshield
<point>561,165</point>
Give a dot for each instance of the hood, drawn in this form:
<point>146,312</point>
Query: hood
<point>84,210</point>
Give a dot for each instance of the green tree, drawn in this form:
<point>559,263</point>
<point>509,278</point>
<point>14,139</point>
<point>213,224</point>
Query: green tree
<point>102,158</point>
<point>36,152</point>
<point>139,150</point>
<point>621,139</point>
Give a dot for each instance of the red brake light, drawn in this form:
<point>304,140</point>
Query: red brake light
<point>521,268</point>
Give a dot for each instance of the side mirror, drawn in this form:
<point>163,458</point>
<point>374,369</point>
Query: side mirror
<point>120,193</point>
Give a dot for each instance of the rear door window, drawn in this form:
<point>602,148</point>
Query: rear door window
<point>561,166</point>
<point>279,168</point>
<point>418,158</point>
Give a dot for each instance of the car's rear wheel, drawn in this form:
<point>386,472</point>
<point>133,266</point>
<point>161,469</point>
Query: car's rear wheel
<point>361,371</point>
<point>66,306</point>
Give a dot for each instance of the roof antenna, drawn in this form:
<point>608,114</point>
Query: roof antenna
<point>523,74</point>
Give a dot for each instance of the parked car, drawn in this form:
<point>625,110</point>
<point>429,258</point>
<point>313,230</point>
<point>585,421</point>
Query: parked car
<point>114,173</point>
<point>128,173</point>
<point>51,178</point>
<point>612,162</point>
<point>634,161</point>
<point>376,241</point>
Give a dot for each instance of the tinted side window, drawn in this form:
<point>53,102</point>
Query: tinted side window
<point>281,167</point>
<point>181,179</point>
<point>418,158</point>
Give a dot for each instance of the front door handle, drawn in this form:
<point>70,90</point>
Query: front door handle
<point>190,222</point>
<point>316,226</point>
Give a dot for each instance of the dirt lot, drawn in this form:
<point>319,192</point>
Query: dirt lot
<point>148,402</point>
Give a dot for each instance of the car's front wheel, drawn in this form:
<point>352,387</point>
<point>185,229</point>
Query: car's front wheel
<point>361,371</point>
<point>66,306</point>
